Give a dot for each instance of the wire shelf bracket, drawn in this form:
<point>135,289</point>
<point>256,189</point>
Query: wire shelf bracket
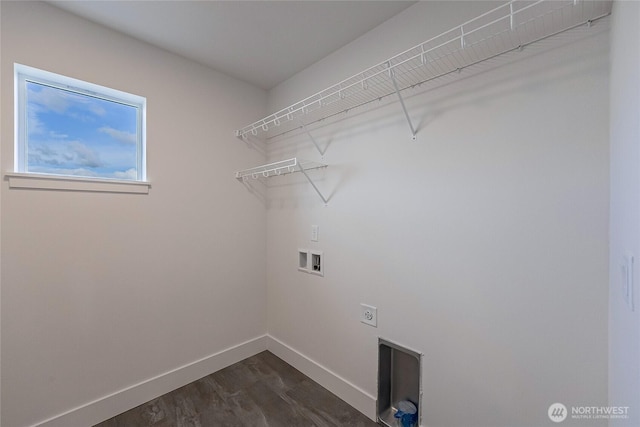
<point>304,172</point>
<point>283,167</point>
<point>506,28</point>
<point>313,140</point>
<point>404,107</point>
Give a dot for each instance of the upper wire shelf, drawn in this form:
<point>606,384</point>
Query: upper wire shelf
<point>508,27</point>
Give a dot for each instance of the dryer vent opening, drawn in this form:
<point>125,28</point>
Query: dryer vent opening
<point>399,373</point>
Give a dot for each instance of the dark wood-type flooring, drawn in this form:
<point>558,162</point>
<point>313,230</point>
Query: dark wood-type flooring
<point>259,391</point>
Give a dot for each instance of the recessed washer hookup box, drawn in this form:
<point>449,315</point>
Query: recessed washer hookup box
<point>399,379</point>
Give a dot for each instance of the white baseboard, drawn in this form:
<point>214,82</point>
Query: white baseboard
<point>350,393</point>
<point>106,407</point>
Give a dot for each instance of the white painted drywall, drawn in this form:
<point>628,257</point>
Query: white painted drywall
<point>410,27</point>
<point>624,326</point>
<point>102,291</point>
<point>484,244</point>
<point>0,241</point>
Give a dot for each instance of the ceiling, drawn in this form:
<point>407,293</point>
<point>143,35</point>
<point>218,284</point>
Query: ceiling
<point>261,42</point>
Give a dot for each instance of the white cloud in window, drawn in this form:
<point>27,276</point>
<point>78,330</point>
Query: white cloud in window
<point>61,101</point>
<point>56,135</point>
<point>44,154</point>
<point>66,171</point>
<point>119,135</point>
<point>131,174</point>
<point>35,125</point>
<point>84,155</point>
<point>95,108</point>
<point>71,153</point>
<point>55,100</point>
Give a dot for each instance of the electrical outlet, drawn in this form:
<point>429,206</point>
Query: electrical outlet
<point>369,315</point>
<point>314,233</point>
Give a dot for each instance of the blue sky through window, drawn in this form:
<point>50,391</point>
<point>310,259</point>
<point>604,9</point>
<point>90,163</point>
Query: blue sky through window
<point>81,135</point>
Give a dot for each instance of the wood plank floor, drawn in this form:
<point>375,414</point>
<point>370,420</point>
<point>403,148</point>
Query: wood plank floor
<point>261,391</point>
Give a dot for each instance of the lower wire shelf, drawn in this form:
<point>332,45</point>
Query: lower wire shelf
<point>283,167</point>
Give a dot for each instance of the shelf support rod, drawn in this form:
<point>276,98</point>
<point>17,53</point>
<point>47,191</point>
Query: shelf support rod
<point>311,138</point>
<point>404,107</point>
<point>511,15</point>
<point>242,137</point>
<point>312,184</point>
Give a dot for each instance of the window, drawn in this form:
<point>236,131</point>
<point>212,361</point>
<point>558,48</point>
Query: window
<point>70,128</point>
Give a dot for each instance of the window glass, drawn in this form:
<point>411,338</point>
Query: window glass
<point>76,131</point>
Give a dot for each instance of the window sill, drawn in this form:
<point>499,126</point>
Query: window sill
<point>67,183</point>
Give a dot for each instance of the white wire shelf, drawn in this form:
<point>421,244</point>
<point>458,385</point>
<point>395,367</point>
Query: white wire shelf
<point>508,27</point>
<point>283,167</point>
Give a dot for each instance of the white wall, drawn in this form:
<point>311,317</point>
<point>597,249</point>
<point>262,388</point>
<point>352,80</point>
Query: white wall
<point>483,244</point>
<point>103,291</point>
<point>624,325</point>
<point>1,124</point>
<point>407,29</point>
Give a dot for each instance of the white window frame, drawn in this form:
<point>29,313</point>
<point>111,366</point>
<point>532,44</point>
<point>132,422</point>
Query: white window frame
<point>22,178</point>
